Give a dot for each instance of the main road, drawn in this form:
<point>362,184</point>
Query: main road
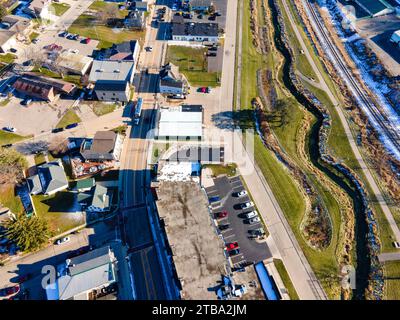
<point>150,270</point>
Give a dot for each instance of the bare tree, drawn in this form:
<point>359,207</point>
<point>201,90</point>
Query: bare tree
<point>36,57</point>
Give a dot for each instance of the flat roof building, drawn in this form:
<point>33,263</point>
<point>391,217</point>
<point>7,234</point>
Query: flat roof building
<point>106,145</point>
<point>74,62</point>
<point>194,31</point>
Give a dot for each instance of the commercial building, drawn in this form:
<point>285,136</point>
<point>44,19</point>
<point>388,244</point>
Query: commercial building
<point>180,122</point>
<point>200,5</point>
<point>74,63</point>
<point>112,79</point>
<point>194,31</point>
<point>86,277</point>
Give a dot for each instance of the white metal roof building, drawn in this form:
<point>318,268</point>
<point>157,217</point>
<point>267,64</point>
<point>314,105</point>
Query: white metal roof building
<point>180,122</point>
<point>74,62</point>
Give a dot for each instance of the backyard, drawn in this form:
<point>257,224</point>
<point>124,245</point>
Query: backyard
<point>192,62</point>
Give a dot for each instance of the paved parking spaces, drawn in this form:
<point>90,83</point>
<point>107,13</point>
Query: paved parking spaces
<point>251,251</point>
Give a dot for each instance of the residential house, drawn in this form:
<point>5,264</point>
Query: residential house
<point>135,20</point>
<point>50,179</point>
<point>74,63</point>
<point>125,51</point>
<point>41,9</point>
<point>171,82</point>
<point>200,5</point>
<point>112,79</point>
<point>194,31</point>
<point>105,146</point>
<point>99,200</point>
<point>13,28</point>
<point>42,88</point>
<point>85,277</point>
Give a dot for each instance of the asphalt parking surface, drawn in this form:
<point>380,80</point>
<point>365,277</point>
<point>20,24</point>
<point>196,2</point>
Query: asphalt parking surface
<point>250,250</point>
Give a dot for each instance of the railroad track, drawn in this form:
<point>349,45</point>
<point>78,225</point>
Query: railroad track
<point>386,127</point>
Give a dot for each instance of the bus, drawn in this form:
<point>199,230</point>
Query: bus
<point>138,111</point>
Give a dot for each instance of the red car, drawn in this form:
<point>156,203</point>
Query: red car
<point>9,291</point>
<point>231,246</point>
<point>222,214</point>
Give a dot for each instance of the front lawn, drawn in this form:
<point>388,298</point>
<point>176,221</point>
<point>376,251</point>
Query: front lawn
<point>39,158</point>
<point>218,169</point>
<point>60,210</point>
<point>68,118</point>
<point>9,199</point>
<point>58,8</point>
<point>7,58</point>
<point>192,62</point>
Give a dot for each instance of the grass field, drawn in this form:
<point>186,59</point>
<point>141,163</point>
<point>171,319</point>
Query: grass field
<point>7,58</point>
<point>59,8</point>
<point>89,26</point>
<point>286,279</point>
<point>392,280</point>
<point>192,62</point>
<point>68,118</point>
<point>39,158</point>
<point>217,169</point>
<point>9,199</point>
<point>8,137</point>
<point>101,109</point>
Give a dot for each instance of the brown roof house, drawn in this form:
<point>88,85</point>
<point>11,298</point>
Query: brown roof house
<point>106,145</point>
<point>42,87</point>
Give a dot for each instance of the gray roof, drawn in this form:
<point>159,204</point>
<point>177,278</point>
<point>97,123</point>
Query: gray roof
<point>102,85</point>
<point>195,29</point>
<point>34,184</point>
<point>52,177</point>
<point>101,197</point>
<point>111,70</point>
<point>100,147</point>
<point>200,3</point>
<point>83,273</point>
<point>141,5</point>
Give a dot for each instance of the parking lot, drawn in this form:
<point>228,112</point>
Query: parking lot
<point>251,251</point>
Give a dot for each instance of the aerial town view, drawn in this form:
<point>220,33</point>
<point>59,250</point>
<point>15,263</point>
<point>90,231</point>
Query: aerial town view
<point>219,150</point>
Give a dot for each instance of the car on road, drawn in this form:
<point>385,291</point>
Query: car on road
<point>396,245</point>
<point>62,240</point>
<point>9,129</point>
<point>233,252</point>
<point>8,145</point>
<point>9,291</point>
<point>251,214</point>
<point>71,125</point>
<point>223,227</point>
<point>55,130</point>
<point>246,205</point>
<point>26,102</point>
<point>240,193</point>
<point>211,54</point>
<point>232,246</point>
<point>63,34</point>
<point>222,214</point>
<point>254,220</point>
<point>148,49</point>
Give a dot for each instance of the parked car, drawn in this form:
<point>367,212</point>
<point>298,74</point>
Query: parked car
<point>63,34</point>
<point>148,49</point>
<point>26,102</point>
<point>222,214</point>
<point>233,252</point>
<point>217,13</point>
<point>204,90</point>
<point>254,220</point>
<point>9,291</point>
<point>396,245</point>
<point>87,40</point>
<point>214,199</point>
<point>62,240</point>
<point>231,246</point>
<point>13,50</point>
<point>257,232</point>
<point>223,226</point>
<point>177,96</point>
<point>246,205</point>
<point>10,129</point>
<point>240,193</point>
<point>8,145</point>
<point>200,16</point>
<point>211,54</point>
<point>55,130</point>
<point>71,125</point>
<point>35,40</point>
<point>251,214</point>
